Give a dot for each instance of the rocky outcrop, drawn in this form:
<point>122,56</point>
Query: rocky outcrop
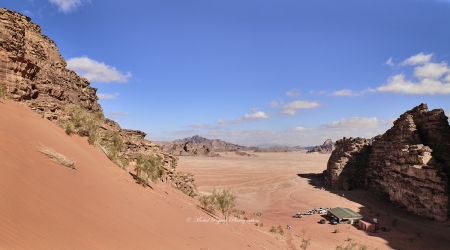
<point>188,148</point>
<point>326,148</point>
<point>347,164</point>
<point>33,72</point>
<point>408,165</point>
<point>241,153</point>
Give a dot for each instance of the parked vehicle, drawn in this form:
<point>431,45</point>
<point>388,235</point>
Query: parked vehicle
<point>334,222</point>
<point>309,212</point>
<point>297,215</point>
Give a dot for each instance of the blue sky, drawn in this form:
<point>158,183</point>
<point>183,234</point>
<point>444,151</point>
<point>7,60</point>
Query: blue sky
<point>254,72</point>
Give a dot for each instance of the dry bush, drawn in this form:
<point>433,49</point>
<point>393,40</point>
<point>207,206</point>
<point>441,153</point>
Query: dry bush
<point>57,157</point>
<point>3,92</point>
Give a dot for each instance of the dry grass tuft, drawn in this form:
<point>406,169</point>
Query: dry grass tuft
<point>57,157</point>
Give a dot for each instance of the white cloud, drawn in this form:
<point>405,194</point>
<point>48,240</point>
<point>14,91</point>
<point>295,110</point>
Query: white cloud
<point>293,93</point>
<point>199,125</point>
<point>420,58</point>
<point>347,92</point>
<point>354,123</point>
<point>301,129</point>
<point>275,104</point>
<point>107,96</point>
<point>67,6</point>
<point>398,85</point>
<point>432,78</point>
<point>255,115</point>
<point>96,71</point>
<point>389,62</point>
<point>431,70</point>
<point>184,132</point>
<point>118,114</point>
<point>292,107</point>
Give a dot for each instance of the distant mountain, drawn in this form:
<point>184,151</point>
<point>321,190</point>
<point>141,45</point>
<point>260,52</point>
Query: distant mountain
<point>197,145</point>
<point>326,148</point>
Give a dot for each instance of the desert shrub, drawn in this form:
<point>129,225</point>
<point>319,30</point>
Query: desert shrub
<point>245,218</point>
<point>257,214</point>
<point>280,230</point>
<point>148,168</point>
<point>223,200</point>
<point>305,243</point>
<point>256,224</point>
<point>336,230</point>
<point>3,92</point>
<point>363,247</point>
<point>57,157</point>
<point>273,229</point>
<point>80,121</point>
<point>112,144</point>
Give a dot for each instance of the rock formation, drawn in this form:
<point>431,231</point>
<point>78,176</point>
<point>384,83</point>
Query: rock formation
<point>409,164</point>
<point>33,72</point>
<point>346,166</point>
<point>326,148</point>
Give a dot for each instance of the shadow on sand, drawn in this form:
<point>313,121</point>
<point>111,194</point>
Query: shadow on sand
<point>406,230</point>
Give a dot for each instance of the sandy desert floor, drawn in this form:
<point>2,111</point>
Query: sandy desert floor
<point>281,184</point>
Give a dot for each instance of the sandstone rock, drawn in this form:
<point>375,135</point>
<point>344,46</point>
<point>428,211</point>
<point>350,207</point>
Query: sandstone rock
<point>347,163</point>
<point>33,72</point>
<point>408,165</point>
<point>326,148</point>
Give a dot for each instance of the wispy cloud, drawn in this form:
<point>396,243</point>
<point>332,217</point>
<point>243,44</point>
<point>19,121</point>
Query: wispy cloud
<point>184,132</point>
<point>292,107</point>
<point>67,6</point>
<point>254,115</point>
<point>293,93</point>
<point>420,58</point>
<point>199,125</point>
<point>356,123</point>
<point>96,71</point>
<point>108,96</point>
<point>301,129</point>
<point>347,92</point>
<point>389,62</point>
<point>116,114</point>
<point>276,104</point>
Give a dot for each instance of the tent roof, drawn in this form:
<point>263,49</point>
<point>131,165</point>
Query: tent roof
<point>344,213</point>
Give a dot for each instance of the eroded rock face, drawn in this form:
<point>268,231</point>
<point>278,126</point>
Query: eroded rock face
<point>33,72</point>
<point>346,167</point>
<point>326,148</point>
<point>408,165</point>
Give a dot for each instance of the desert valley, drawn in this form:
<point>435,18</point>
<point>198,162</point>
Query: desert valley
<point>70,178</point>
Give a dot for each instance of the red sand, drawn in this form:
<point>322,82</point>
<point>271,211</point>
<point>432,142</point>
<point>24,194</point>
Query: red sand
<point>270,184</point>
<point>98,206</point>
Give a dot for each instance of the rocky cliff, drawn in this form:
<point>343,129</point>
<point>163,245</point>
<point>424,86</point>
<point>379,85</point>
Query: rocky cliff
<point>326,148</point>
<point>33,72</point>
<point>409,164</point>
<point>347,163</point>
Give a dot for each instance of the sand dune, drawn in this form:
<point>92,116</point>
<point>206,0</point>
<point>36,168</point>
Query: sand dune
<point>97,206</point>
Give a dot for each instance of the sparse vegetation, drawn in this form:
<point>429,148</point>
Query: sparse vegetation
<point>57,157</point>
<point>273,229</point>
<point>111,144</point>
<point>223,200</point>
<point>256,224</point>
<point>148,168</point>
<point>336,231</point>
<point>280,230</point>
<point>3,93</point>
<point>80,121</point>
<point>305,243</point>
<point>258,214</point>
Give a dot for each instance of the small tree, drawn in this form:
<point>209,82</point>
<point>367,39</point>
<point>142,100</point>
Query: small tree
<point>225,201</point>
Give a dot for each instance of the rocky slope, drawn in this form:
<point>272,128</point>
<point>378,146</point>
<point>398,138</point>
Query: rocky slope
<point>326,148</point>
<point>33,72</point>
<point>409,164</point>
